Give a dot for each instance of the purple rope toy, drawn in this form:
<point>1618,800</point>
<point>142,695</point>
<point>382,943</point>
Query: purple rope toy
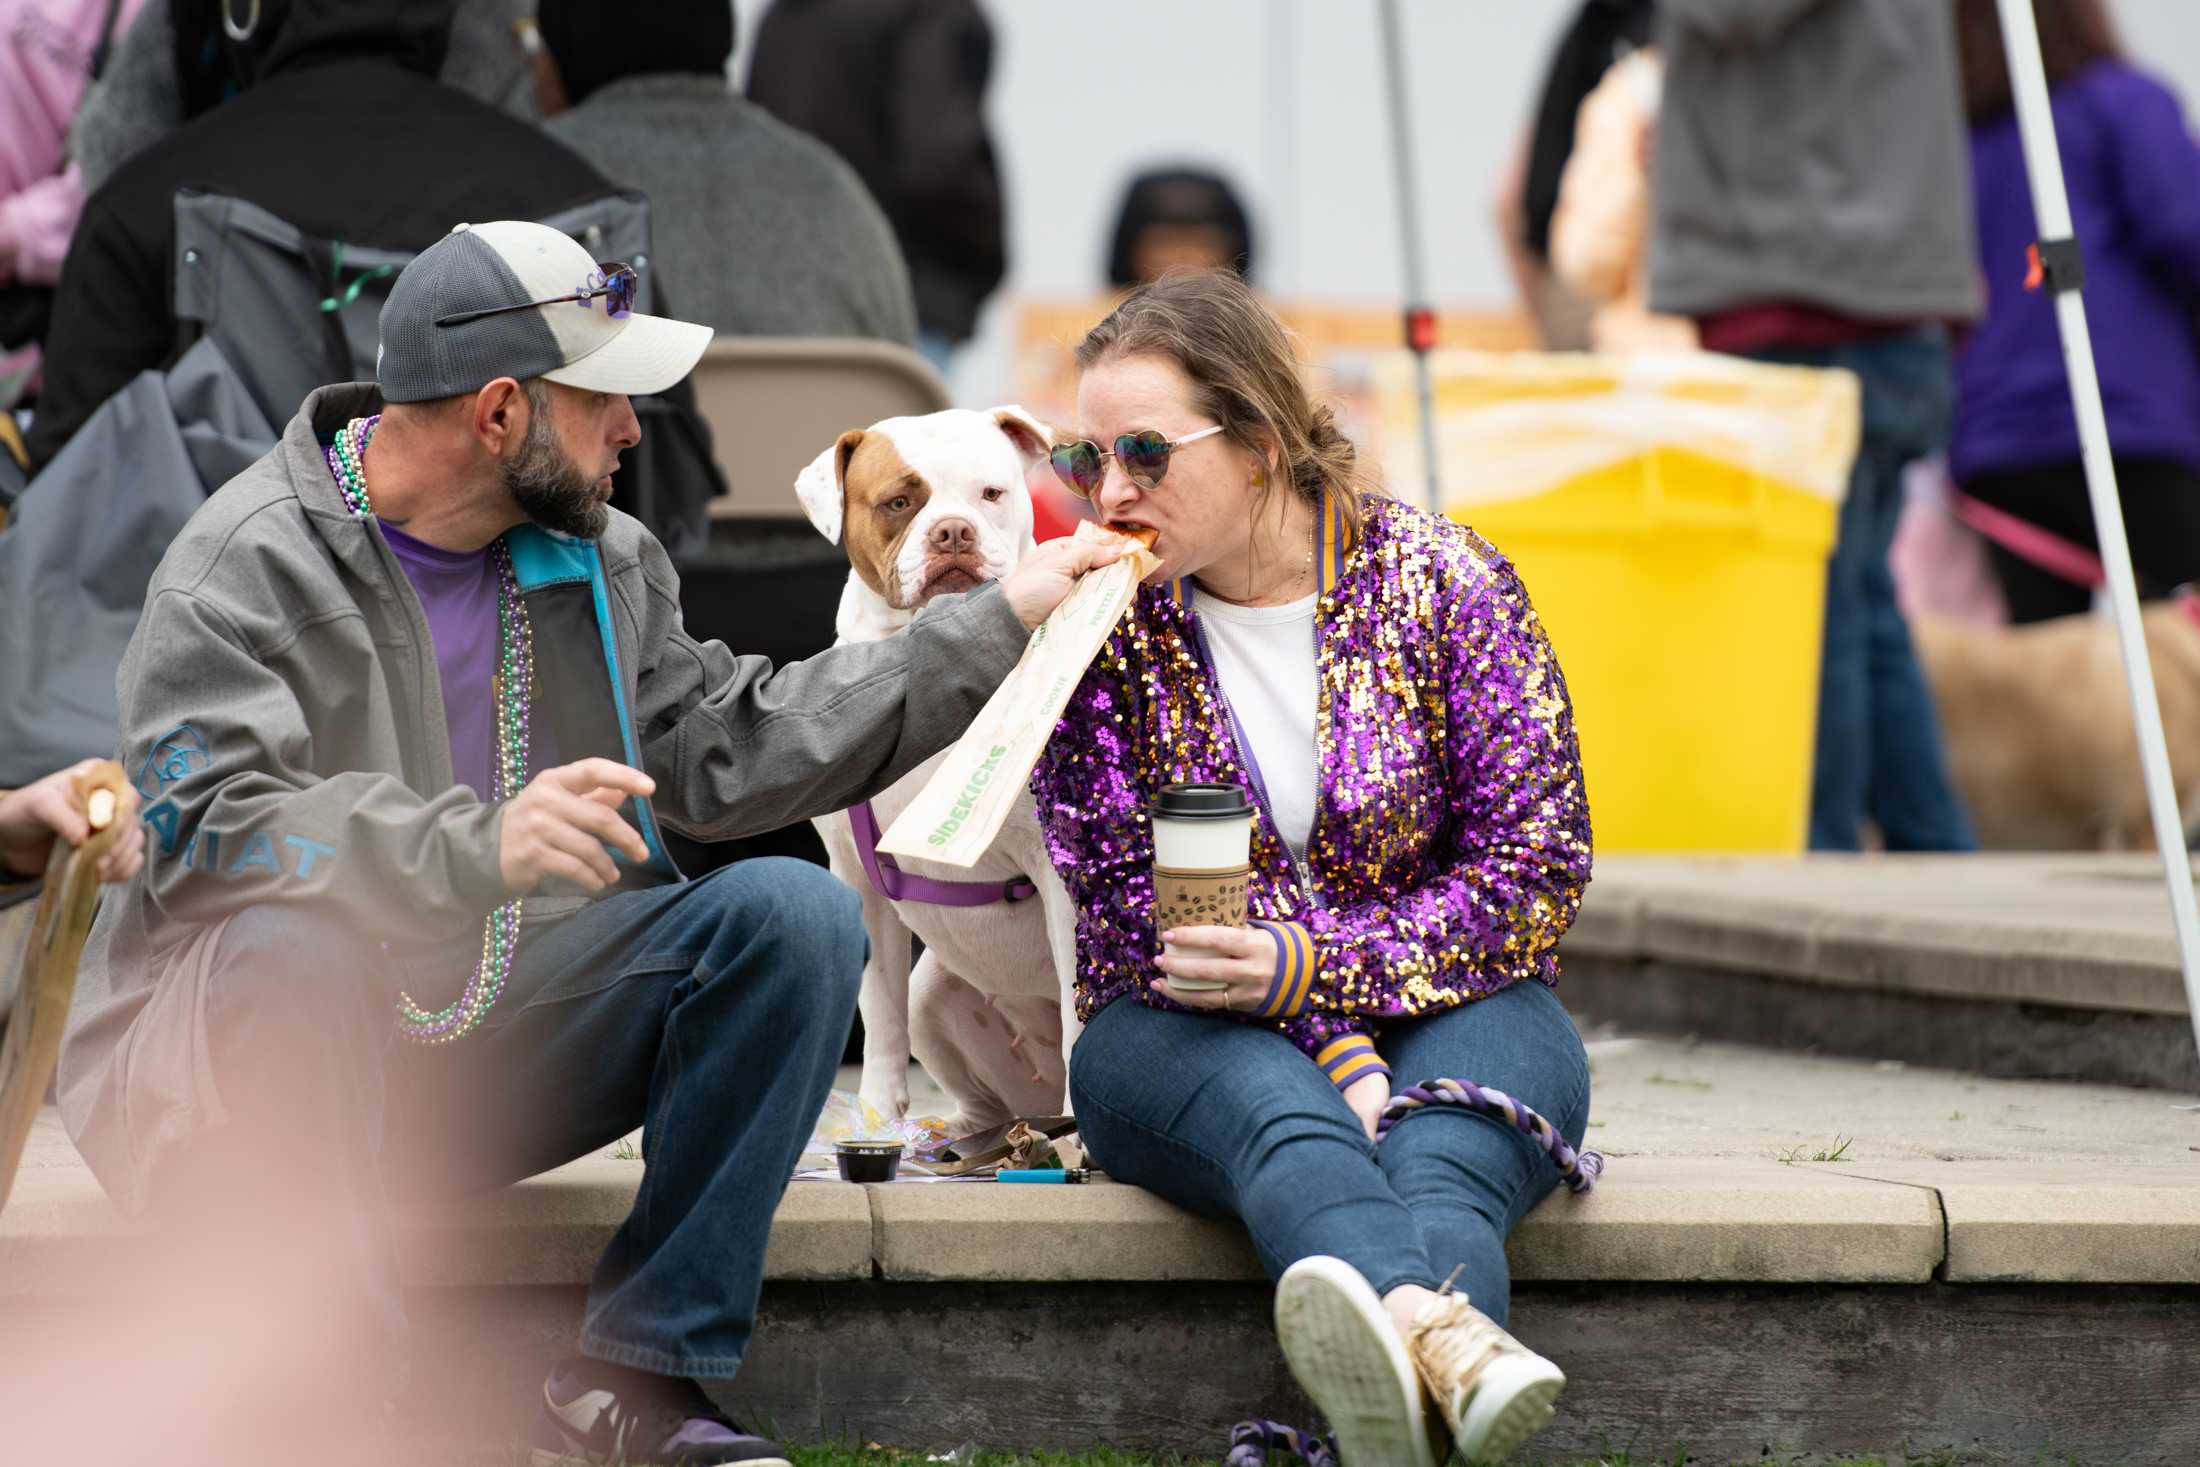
<point>1250,1442</point>
<point>1577,1169</point>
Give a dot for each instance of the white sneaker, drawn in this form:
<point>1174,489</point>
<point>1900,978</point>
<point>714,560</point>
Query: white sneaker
<point>1493,1391</point>
<point>1347,1356</point>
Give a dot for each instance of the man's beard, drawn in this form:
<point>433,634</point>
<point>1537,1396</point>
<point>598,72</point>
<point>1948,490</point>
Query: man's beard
<point>550,488</point>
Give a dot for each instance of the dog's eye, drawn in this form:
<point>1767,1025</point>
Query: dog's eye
<point>899,504</point>
<point>995,495</point>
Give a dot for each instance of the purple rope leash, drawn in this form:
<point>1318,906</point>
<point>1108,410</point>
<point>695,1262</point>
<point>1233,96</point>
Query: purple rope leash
<point>1250,1442</point>
<point>1578,1170</point>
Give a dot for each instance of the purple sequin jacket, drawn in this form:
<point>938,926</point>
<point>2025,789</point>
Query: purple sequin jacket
<point>1450,843</point>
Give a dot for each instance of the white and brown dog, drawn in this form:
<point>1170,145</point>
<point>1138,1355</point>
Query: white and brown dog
<point>927,506</point>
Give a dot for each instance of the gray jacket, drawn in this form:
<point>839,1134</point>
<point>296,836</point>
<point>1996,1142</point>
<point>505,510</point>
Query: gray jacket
<point>1812,151</point>
<point>282,717</point>
<point>760,230</point>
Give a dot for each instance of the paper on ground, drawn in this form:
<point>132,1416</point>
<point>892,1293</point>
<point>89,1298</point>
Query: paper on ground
<point>961,807</point>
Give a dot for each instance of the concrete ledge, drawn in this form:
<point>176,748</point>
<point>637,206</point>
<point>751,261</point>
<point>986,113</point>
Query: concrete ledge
<point>2026,966</point>
<point>1727,1305</point>
<point>549,1230</point>
<point>2088,932</point>
<point>1102,1231</point>
<point>1728,1221</point>
<point>1651,1221</point>
<point>1654,1221</point>
<point>2058,1225</point>
<point>1806,1016</point>
<point>60,1234</point>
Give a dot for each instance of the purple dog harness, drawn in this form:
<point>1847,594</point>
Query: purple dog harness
<point>897,885</point>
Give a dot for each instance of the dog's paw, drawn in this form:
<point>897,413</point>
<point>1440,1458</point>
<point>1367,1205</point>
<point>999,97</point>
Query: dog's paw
<point>887,1094</point>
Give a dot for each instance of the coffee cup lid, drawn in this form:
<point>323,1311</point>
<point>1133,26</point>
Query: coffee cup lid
<point>1202,802</point>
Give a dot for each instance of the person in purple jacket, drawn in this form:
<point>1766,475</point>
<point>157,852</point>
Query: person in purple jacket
<point>1377,679</point>
<point>2133,173</point>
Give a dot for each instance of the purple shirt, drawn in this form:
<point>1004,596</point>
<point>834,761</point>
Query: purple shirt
<point>2134,177</point>
<point>458,591</point>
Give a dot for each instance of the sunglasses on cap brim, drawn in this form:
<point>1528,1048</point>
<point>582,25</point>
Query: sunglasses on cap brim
<point>1081,466</point>
<point>613,283</point>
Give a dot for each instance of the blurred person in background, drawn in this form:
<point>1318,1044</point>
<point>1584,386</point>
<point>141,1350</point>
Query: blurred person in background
<point>171,65</point>
<point>765,230</point>
<point>2133,172</point>
<point>1178,219</point>
<point>1859,260</point>
<point>49,50</point>
<point>1600,231</point>
<point>44,811</point>
<point>897,87</point>
<point>341,129</point>
<point>1601,33</point>
<point>33,820</point>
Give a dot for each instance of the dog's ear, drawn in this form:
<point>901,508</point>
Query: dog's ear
<point>822,487</point>
<point>1031,437</point>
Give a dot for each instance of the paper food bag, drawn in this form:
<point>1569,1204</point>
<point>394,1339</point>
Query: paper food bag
<point>961,808</point>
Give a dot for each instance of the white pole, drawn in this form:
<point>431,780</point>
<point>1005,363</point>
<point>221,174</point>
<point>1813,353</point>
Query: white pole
<point>1420,319</point>
<point>2051,209</point>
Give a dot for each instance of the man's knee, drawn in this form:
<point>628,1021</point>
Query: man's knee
<point>283,963</point>
<point>808,922</point>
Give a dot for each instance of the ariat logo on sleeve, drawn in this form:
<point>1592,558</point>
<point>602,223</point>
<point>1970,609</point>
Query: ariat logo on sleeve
<point>178,753</point>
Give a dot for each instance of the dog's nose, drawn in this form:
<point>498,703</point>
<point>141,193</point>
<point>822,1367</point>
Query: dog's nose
<point>952,537</point>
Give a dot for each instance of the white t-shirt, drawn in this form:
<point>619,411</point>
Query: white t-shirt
<point>1264,657</point>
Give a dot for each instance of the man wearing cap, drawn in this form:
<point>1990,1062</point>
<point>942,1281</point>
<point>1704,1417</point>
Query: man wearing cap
<point>407,710</point>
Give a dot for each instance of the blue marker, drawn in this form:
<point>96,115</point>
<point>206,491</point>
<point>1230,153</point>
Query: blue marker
<point>1054,1175</point>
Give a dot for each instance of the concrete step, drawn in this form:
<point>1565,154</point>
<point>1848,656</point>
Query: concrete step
<point>2058,966</point>
<point>1992,1266</point>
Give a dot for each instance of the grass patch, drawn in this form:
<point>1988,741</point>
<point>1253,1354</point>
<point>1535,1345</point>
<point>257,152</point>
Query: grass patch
<point>1795,1155</point>
<point>1680,1082</point>
<point>887,1457</point>
<point>880,1456</point>
<point>624,1151</point>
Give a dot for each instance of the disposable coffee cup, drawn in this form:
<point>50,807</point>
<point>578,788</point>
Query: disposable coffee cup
<point>1202,865</point>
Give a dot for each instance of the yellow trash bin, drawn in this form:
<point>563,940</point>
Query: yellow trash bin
<point>1671,516</point>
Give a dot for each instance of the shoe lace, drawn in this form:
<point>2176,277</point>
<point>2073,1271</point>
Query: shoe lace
<point>1453,1342</point>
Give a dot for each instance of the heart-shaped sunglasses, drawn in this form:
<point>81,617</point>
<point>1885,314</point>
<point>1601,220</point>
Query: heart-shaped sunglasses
<point>1144,456</point>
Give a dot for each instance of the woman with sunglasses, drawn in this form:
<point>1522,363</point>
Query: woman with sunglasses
<point>1377,679</point>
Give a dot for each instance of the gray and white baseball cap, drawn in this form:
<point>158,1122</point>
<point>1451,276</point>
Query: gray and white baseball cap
<point>498,300</point>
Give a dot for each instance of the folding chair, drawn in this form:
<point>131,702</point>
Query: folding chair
<point>773,402</point>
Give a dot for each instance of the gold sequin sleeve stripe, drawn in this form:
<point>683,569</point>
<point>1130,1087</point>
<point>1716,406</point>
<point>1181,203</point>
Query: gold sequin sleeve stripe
<point>1348,1058</point>
<point>1294,977</point>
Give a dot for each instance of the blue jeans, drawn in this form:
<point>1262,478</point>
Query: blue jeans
<point>1228,1120</point>
<point>1879,752</point>
<point>711,1013</point>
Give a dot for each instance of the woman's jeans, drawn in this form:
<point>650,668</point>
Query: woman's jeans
<point>1226,1119</point>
